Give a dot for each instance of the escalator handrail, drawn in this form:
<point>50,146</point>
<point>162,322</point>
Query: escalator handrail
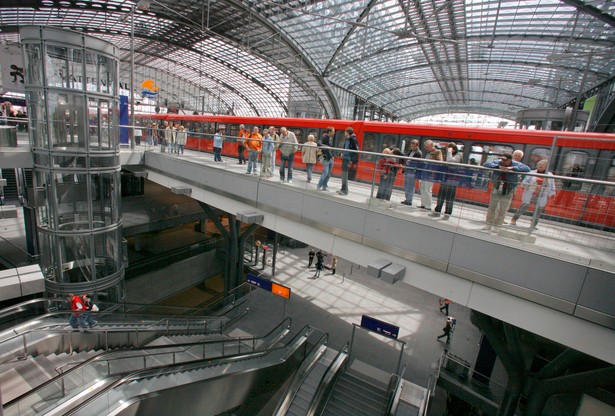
<point>20,307</point>
<point>300,375</point>
<point>328,381</point>
<point>291,346</point>
<point>283,327</point>
<point>51,328</point>
<point>394,392</point>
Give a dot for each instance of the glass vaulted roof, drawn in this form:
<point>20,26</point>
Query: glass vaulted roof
<point>406,58</point>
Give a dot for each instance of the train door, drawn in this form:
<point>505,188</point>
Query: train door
<point>599,209</point>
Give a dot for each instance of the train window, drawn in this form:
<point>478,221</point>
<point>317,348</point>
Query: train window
<point>574,163</point>
<point>443,144</point>
<point>481,154</point>
<point>538,154</point>
<point>389,141</point>
<point>369,145</point>
<point>405,143</point>
<point>298,133</point>
<point>232,130</point>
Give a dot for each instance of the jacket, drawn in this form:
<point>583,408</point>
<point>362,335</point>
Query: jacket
<point>325,147</point>
<point>218,140</point>
<point>288,144</point>
<point>545,187</point>
<point>510,178</point>
<point>253,141</point>
<point>268,145</point>
<point>308,152</point>
<point>351,143</point>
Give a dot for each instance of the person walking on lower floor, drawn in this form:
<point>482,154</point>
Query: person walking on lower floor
<point>504,180</point>
<point>444,304</point>
<point>447,332</point>
<point>537,191</point>
<point>311,255</point>
<point>431,153</point>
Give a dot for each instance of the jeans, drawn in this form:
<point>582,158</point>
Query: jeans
<point>327,168</point>
<point>409,184</point>
<point>89,320</point>
<point>286,161</point>
<point>180,149</point>
<point>252,161</point>
<point>217,154</point>
<point>345,166</point>
<point>76,321</point>
<point>308,170</point>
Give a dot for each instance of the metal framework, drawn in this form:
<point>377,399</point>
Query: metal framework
<point>406,58</point>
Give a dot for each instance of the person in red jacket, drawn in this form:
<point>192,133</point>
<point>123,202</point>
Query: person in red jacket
<point>76,319</point>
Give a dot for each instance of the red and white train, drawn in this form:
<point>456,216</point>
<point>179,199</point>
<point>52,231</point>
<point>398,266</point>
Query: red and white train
<point>589,155</point>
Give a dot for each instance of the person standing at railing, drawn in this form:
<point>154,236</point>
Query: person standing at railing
<point>241,147</point>
<point>537,191</point>
<point>410,173</point>
<point>253,144</point>
<point>76,318</point>
<point>349,159</point>
<point>288,147</point>
<point>276,140</point>
<point>504,180</point>
<point>431,153</point>
<point>268,147</point>
<point>308,155</point>
<point>326,159</point>
<point>138,133</point>
<point>447,192</point>
<point>218,143</point>
<point>181,137</point>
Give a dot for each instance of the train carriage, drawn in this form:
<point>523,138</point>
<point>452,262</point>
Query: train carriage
<point>591,155</point>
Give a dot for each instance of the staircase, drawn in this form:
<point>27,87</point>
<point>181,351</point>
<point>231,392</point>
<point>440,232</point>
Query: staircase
<point>355,397</point>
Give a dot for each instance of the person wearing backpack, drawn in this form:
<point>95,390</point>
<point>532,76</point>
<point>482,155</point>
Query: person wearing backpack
<point>89,306</point>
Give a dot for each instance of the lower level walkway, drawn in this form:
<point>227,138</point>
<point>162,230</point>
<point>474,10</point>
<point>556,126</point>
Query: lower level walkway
<point>334,302</point>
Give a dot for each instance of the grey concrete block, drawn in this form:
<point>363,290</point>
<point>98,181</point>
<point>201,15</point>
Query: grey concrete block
<point>375,267</point>
<point>8,211</point>
<point>393,273</point>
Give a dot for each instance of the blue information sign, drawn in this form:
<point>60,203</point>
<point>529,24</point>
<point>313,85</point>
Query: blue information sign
<point>259,282</point>
<point>381,327</point>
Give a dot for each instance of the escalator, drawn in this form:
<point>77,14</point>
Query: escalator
<point>204,387</point>
<point>79,381</point>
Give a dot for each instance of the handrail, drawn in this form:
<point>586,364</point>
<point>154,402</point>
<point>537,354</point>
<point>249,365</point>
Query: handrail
<point>301,374</point>
<point>394,393</point>
<point>103,357</point>
<point>173,368</point>
<point>325,386</point>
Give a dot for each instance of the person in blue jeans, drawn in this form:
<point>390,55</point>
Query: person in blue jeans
<point>326,158</point>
